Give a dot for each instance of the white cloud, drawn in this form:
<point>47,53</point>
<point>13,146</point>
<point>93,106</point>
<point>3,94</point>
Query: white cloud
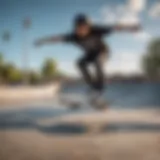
<point>136,5</point>
<point>155,10</point>
<point>142,36</point>
<point>128,19</point>
<point>124,62</point>
<point>124,14</point>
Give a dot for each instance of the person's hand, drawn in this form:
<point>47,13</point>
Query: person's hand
<point>135,28</point>
<point>39,43</point>
<point>131,28</point>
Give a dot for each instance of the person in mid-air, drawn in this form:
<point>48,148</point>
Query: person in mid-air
<point>90,38</point>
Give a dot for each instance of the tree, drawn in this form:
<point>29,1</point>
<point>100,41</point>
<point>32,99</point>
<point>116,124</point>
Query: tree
<point>34,77</point>
<point>49,69</point>
<point>11,74</point>
<point>151,62</point>
<point>1,61</point>
<point>1,67</point>
<point>1,58</point>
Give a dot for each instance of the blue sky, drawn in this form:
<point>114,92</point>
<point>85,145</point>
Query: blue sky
<point>53,17</point>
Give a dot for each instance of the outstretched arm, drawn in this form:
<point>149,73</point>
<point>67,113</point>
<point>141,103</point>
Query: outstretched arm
<point>102,30</point>
<point>47,40</point>
<point>130,28</point>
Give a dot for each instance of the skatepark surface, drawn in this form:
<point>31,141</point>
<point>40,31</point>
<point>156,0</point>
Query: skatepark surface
<point>55,133</point>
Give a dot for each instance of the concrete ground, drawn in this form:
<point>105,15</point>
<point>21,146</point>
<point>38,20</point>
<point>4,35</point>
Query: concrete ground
<point>24,145</point>
<point>110,135</point>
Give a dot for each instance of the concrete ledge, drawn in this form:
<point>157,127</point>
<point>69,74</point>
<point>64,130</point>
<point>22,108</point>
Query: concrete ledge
<point>26,93</point>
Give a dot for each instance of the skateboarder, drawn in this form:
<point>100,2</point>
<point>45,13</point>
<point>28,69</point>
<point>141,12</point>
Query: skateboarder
<point>90,38</point>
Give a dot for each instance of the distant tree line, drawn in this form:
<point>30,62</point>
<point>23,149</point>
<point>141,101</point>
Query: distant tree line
<point>11,74</point>
<point>151,60</point>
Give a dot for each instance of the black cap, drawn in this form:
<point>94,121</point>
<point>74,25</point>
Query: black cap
<point>81,19</point>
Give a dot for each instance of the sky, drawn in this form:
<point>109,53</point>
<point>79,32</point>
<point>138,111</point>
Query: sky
<point>54,17</point>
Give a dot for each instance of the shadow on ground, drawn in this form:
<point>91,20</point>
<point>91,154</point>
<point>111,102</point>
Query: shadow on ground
<point>26,119</point>
<point>63,128</point>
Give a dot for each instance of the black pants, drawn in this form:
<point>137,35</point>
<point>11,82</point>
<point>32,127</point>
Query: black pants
<point>97,60</point>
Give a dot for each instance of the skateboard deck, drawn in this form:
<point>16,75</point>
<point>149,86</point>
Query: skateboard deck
<point>78,101</point>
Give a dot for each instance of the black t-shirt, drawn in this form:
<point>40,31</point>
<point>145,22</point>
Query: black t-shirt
<point>93,42</point>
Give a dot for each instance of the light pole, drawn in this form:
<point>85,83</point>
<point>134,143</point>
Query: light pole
<point>25,56</point>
